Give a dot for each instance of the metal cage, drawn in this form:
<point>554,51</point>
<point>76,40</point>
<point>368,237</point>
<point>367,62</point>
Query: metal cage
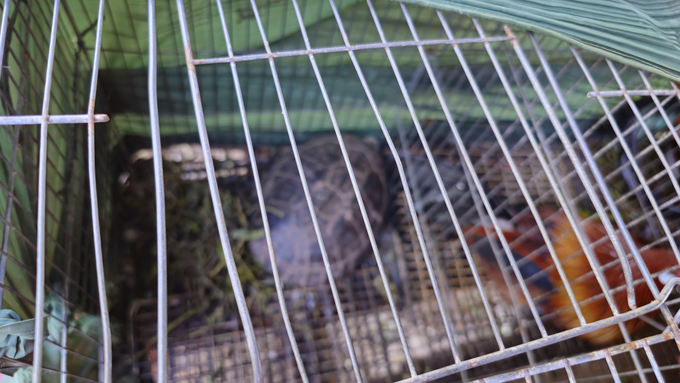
<point>189,104</point>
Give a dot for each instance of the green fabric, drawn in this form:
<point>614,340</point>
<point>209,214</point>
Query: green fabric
<point>125,35</point>
<point>124,57</point>
<point>125,81</point>
<point>644,34</point>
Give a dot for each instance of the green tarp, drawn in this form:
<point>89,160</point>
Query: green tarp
<point>644,34</point>
<point>123,67</point>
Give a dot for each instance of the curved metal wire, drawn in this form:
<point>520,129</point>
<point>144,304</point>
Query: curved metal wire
<point>159,186</point>
<point>357,192</point>
<point>42,182</point>
<point>260,199</point>
<point>217,203</point>
<point>308,198</point>
<point>94,202</point>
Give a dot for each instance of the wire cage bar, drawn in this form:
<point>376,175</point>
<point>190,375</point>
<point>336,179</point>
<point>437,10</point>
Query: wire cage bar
<point>500,147</point>
<point>62,242</point>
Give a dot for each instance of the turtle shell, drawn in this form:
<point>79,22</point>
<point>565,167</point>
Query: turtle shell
<point>297,250</point>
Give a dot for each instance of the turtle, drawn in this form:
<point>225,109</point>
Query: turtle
<point>297,251</point>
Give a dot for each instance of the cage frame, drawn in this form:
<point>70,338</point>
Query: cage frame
<point>483,207</point>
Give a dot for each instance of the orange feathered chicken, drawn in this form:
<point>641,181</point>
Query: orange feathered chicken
<point>543,281</point>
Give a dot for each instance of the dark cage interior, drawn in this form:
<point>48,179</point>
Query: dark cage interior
<point>477,196</point>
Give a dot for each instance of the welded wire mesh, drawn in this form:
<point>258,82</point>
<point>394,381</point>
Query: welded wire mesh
<point>48,240</point>
<point>479,125</point>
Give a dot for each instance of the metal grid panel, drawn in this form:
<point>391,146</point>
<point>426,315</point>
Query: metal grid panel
<point>47,262</point>
<point>482,203</point>
<point>518,137</point>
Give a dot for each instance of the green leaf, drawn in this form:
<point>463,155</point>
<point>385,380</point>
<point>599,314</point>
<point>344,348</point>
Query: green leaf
<point>23,375</point>
<point>55,307</point>
<point>246,235</point>
<point>54,329</point>
<point>24,329</point>
<point>16,336</point>
<point>90,324</point>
